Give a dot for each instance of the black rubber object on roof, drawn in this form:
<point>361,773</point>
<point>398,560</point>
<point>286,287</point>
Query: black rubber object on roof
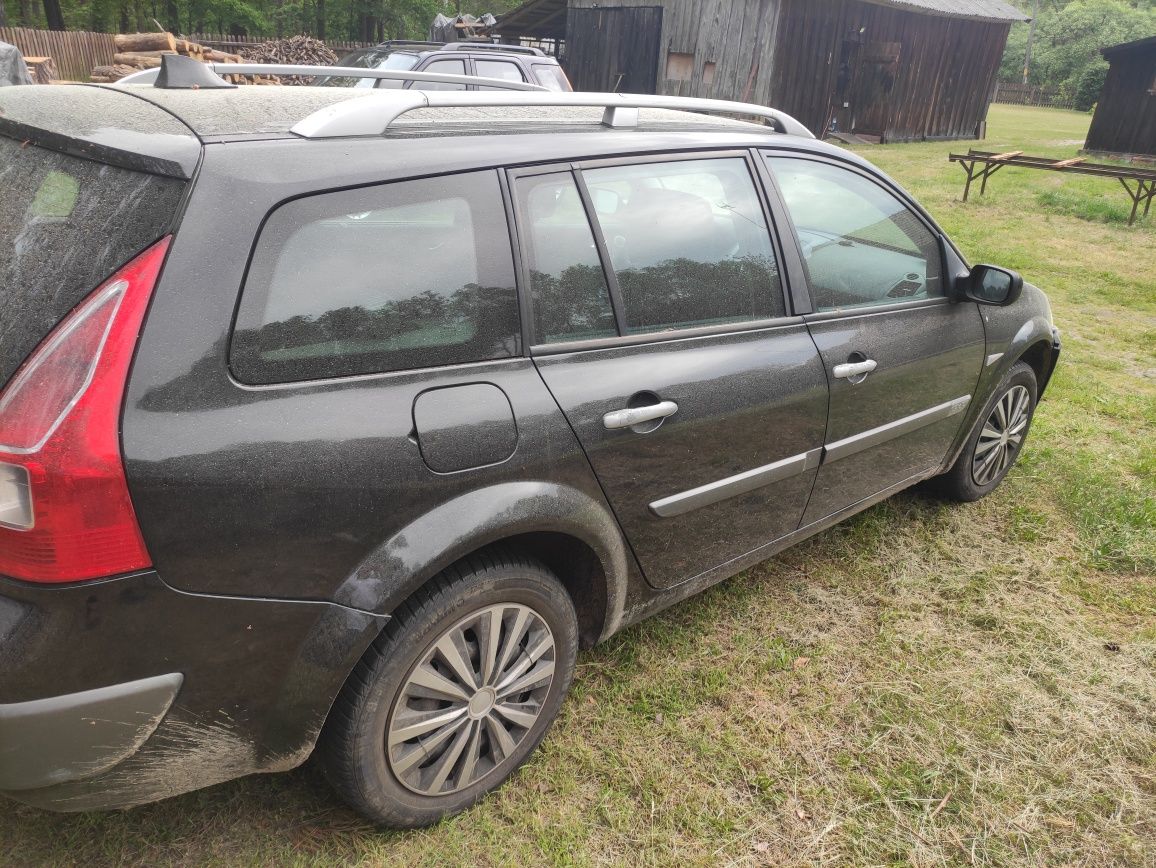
<point>183,73</point>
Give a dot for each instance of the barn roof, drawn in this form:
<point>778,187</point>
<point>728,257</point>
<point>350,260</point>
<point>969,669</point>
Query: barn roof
<point>976,10</point>
<point>547,18</point>
<point>1129,47</point>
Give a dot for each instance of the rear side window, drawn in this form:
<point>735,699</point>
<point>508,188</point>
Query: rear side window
<point>550,76</point>
<point>405,275</point>
<point>453,66</point>
<point>688,242</point>
<point>567,283</point>
<point>66,224</point>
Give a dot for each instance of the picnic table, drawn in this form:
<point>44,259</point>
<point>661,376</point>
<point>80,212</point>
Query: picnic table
<point>984,164</point>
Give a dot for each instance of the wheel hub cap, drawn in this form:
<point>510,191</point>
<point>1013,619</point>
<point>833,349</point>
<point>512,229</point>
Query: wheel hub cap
<point>1002,436</point>
<point>482,703</point>
<point>471,699</point>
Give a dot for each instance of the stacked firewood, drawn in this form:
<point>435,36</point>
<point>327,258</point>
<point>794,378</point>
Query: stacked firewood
<point>301,50</point>
<point>137,51</point>
<point>42,70</point>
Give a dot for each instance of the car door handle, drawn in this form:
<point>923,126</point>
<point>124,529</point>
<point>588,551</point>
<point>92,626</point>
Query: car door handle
<point>637,415</point>
<point>854,369</point>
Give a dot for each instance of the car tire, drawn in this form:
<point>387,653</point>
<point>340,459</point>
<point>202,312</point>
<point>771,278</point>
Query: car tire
<point>456,692</point>
<point>989,452</point>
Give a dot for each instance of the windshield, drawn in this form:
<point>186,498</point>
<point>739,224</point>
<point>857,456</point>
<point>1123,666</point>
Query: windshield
<point>369,58</point>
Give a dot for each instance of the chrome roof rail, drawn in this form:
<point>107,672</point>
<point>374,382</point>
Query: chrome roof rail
<point>494,46</point>
<point>357,72</point>
<point>149,76</point>
<point>372,116</point>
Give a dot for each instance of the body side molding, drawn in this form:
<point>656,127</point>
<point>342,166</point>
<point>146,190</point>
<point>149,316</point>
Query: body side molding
<point>733,486</point>
<point>873,437</point>
<point>742,483</point>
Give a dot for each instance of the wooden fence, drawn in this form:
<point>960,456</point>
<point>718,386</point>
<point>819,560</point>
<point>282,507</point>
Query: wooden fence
<point>1013,93</point>
<point>75,52</point>
<point>226,42</point>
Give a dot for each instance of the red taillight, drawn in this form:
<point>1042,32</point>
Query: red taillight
<point>65,512</point>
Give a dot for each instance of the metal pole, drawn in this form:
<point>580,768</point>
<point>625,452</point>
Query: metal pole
<point>1031,37</point>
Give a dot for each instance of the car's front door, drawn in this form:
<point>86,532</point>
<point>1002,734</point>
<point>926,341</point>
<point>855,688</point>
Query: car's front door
<point>664,336</point>
<point>902,359</point>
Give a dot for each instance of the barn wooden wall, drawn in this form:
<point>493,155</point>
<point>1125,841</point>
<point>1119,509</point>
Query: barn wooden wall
<point>735,35</point>
<point>1125,121</point>
<point>945,78</point>
<point>785,53</point>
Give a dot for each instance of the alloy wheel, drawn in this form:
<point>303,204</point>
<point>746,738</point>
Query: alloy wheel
<point>1002,436</point>
<point>473,696</point>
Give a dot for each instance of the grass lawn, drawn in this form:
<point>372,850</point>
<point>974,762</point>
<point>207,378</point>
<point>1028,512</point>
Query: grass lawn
<point>923,684</point>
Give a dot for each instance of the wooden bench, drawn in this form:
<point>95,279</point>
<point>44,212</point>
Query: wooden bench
<point>984,164</point>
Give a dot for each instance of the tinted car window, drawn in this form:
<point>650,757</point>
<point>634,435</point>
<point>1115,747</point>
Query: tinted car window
<point>445,67</point>
<point>404,275</point>
<point>370,58</point>
<point>503,69</point>
<point>688,242</point>
<point>862,246</point>
<point>570,297</point>
<point>66,224</point>
<point>550,76</point>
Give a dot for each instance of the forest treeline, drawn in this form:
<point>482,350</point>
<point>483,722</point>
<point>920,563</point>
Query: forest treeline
<point>1067,41</point>
<point>360,20</point>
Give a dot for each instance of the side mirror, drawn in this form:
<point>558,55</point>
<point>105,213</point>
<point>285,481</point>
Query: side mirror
<point>990,284</point>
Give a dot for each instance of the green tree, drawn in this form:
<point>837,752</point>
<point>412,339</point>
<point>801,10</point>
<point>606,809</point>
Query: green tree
<point>367,20</point>
<point>1066,52</point>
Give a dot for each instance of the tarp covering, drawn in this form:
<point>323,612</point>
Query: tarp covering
<point>13,69</point>
<point>444,28</point>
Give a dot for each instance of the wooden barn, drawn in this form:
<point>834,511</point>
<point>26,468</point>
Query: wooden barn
<point>892,70</point>
<point>1125,119</point>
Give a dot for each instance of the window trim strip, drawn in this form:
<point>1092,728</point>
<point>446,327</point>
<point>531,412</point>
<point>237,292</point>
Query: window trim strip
<point>610,275</point>
<point>644,338</point>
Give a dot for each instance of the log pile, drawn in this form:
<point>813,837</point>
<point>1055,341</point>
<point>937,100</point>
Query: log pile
<point>137,51</point>
<point>42,70</point>
<point>303,50</point>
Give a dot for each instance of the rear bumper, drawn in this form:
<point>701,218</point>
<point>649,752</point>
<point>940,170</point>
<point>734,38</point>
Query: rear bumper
<point>66,738</point>
<point>125,691</point>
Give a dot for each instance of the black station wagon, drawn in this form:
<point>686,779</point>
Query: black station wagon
<point>336,421</point>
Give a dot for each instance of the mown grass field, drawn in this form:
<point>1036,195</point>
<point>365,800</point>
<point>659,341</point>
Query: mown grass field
<point>924,684</point>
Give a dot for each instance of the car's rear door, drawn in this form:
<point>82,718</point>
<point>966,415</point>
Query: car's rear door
<point>903,360</point>
<point>665,337</point>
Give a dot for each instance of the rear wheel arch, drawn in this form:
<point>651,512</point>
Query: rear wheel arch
<point>570,532</point>
<point>576,566</point>
<point>350,748</point>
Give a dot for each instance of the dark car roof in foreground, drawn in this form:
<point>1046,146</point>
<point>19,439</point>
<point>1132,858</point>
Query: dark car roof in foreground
<point>274,110</point>
<point>164,125</point>
<point>97,123</point>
